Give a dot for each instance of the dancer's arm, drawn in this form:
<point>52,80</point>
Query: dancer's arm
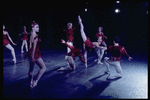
<point>34,47</point>
<point>124,52</point>
<point>82,29</point>
<point>10,39</point>
<point>64,42</point>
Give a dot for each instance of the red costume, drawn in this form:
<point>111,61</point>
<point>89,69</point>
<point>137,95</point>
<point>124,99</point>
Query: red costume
<point>75,52</point>
<point>98,35</point>
<point>70,34</point>
<point>5,40</point>
<point>116,52</point>
<point>88,44</point>
<point>37,51</point>
<point>24,36</point>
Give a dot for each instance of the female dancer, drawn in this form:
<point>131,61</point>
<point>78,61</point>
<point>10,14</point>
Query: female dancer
<point>24,39</point>
<point>100,52</point>
<point>70,57</point>
<point>115,58</point>
<point>35,55</point>
<point>7,44</point>
<point>88,45</point>
<point>70,35</point>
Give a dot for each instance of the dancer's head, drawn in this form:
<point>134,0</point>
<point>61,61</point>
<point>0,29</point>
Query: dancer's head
<point>69,25</point>
<point>116,39</point>
<point>3,27</point>
<point>35,27</point>
<point>100,29</point>
<point>24,28</point>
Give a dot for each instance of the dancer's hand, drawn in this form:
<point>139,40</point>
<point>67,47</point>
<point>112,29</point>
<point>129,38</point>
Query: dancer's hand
<point>130,58</point>
<point>14,44</point>
<point>63,41</point>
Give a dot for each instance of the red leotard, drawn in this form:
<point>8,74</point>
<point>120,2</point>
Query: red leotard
<point>116,52</point>
<point>70,34</point>
<point>24,36</point>
<point>37,51</point>
<point>5,40</point>
<point>75,52</point>
<point>88,44</point>
<point>98,35</point>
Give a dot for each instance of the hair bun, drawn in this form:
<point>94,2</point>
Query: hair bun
<point>33,23</point>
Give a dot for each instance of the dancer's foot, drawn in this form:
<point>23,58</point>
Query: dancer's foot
<point>14,60</point>
<point>34,83</point>
<point>96,60</point>
<point>99,62</point>
<point>22,51</point>
<point>31,84</point>
<point>86,65</point>
<point>79,19</point>
<point>60,69</point>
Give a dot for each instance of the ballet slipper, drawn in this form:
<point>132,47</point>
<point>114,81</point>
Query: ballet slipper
<point>31,84</point>
<point>34,83</point>
<point>99,62</point>
<point>14,60</point>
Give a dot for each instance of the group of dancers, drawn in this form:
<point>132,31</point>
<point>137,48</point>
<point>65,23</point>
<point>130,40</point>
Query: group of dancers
<point>34,54</point>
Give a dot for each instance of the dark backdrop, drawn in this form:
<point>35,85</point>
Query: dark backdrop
<point>131,24</point>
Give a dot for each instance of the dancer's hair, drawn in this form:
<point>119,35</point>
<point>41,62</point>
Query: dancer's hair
<point>101,28</point>
<point>34,23</point>
<point>117,39</point>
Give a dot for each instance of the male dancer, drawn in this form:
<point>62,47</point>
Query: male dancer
<point>115,58</point>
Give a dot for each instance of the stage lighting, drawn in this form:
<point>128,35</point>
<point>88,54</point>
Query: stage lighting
<point>85,9</point>
<point>117,10</point>
<point>117,1</point>
<point>147,11</point>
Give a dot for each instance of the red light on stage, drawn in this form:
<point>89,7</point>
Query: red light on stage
<point>147,12</point>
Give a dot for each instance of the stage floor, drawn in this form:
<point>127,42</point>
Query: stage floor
<point>83,82</point>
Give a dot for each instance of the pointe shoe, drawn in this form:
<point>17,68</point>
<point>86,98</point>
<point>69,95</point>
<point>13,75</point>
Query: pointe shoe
<point>99,62</point>
<point>86,65</point>
<point>80,20</point>
<point>34,84</point>
<point>31,84</point>
<point>62,68</point>
<point>14,60</point>
<point>96,60</point>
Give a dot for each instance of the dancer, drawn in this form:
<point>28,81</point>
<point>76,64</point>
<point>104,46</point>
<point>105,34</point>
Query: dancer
<point>88,45</point>
<point>115,58</point>
<point>100,52</point>
<point>70,35</point>
<point>35,55</point>
<point>7,44</point>
<point>70,57</point>
<point>24,39</point>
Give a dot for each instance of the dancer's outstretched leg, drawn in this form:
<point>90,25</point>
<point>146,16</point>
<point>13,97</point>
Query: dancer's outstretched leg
<point>82,29</point>
<point>8,46</point>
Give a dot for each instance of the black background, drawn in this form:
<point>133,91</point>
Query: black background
<point>131,24</point>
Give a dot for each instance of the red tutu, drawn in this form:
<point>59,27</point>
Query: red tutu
<point>88,44</point>
<point>24,37</point>
<point>5,40</point>
<point>37,51</point>
<point>36,55</point>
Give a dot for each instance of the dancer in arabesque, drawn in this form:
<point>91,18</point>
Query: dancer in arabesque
<point>87,44</point>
